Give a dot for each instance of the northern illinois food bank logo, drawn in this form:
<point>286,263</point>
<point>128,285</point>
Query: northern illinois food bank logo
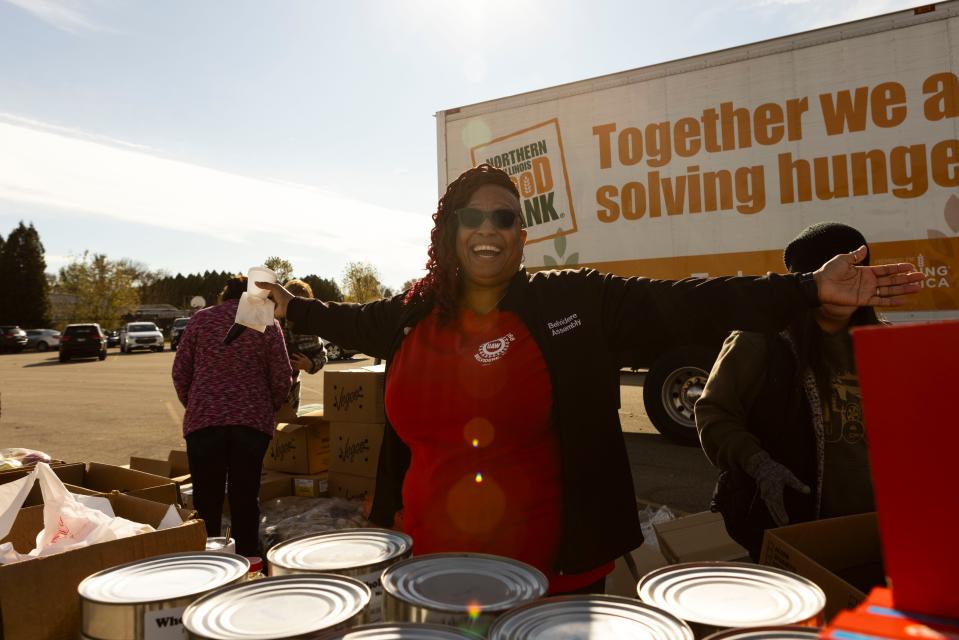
<point>534,160</point>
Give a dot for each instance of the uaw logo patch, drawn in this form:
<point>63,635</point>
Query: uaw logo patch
<point>493,350</point>
<point>535,161</point>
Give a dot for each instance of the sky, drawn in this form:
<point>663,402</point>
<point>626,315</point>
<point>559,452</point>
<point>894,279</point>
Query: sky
<point>192,136</point>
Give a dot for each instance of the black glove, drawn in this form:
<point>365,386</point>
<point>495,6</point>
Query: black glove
<point>772,479</point>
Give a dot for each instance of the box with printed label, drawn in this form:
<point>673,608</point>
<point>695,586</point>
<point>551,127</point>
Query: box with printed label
<point>312,486</point>
<point>354,395</point>
<point>355,447</point>
<point>299,448</point>
<point>345,485</point>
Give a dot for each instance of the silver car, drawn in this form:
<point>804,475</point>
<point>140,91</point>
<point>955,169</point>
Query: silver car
<point>43,339</point>
<point>140,335</point>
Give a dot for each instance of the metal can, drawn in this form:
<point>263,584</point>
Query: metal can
<point>358,553</point>
<point>466,591</point>
<point>768,633</point>
<point>278,608</point>
<point>715,596</point>
<point>398,631</point>
<point>221,543</point>
<point>588,617</point>
<point>144,599</point>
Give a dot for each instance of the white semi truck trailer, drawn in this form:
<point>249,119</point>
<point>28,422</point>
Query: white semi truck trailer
<point>709,165</point>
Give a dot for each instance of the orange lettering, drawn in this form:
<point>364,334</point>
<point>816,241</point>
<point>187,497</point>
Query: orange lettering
<point>944,101</point>
<point>604,132</point>
<point>888,104</point>
<point>842,112</point>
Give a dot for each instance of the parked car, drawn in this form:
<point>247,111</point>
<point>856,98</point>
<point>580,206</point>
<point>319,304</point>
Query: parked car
<point>140,335</point>
<point>113,338</point>
<point>84,340</point>
<point>336,352</point>
<point>176,331</point>
<point>12,338</point>
<point>43,339</point>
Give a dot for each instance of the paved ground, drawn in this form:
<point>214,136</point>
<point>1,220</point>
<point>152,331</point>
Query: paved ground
<point>107,411</point>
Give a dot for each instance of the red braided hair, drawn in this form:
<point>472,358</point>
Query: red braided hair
<point>441,284</point>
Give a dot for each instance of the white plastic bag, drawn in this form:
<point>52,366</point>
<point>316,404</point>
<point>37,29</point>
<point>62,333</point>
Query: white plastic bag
<point>68,522</point>
<point>650,516</point>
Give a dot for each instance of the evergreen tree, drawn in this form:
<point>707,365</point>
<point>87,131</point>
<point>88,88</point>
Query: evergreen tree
<point>324,289</point>
<point>25,293</point>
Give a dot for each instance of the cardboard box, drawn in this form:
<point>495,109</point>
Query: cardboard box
<point>299,448</point>
<point>354,395</point>
<point>95,477</point>
<point>312,486</point>
<point>176,466</point>
<point>273,484</point>
<point>38,598</point>
<point>622,582</point>
<point>356,447</point>
<point>345,485</point>
<point>842,555</point>
<point>697,537</point>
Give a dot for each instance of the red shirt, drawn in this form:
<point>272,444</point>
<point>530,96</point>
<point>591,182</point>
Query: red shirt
<point>472,400</point>
<point>242,383</point>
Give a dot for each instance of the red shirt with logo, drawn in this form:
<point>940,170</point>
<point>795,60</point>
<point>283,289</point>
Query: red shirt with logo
<point>472,401</point>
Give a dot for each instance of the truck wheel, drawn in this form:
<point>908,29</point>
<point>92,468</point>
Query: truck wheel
<point>672,387</point>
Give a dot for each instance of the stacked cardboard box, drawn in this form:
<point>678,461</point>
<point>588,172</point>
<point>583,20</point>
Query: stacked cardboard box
<point>354,405</point>
<point>301,451</point>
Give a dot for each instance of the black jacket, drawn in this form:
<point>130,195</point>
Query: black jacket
<point>580,320</point>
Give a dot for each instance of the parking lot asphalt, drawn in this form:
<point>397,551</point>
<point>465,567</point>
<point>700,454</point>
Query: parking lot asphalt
<point>88,410</point>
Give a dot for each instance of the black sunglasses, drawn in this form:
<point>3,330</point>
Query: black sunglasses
<point>472,218</point>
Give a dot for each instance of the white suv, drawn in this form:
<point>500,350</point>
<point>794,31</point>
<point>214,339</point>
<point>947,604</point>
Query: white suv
<point>140,335</point>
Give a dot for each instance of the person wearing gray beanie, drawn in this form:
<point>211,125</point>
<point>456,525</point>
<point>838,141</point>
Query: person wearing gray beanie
<point>780,415</point>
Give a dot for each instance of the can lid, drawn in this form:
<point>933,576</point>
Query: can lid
<point>588,616</point>
<point>278,607</point>
<point>364,550</point>
<point>469,583</point>
<point>398,631</point>
<point>772,633</point>
<point>166,577</point>
<point>732,594</point>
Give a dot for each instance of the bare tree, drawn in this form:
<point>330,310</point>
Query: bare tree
<point>361,282</point>
<point>282,268</point>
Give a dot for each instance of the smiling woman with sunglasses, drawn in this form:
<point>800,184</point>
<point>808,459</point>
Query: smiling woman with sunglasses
<point>502,387</point>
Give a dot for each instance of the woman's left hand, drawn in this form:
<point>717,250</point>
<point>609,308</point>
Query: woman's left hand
<point>842,282</point>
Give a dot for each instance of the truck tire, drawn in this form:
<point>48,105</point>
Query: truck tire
<point>672,386</point>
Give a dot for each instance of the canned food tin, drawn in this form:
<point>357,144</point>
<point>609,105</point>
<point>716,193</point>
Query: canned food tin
<point>281,607</point>
<point>588,617</point>
<point>462,590</point>
<point>145,599</point>
<point>714,596</point>
<point>358,553</point>
<point>221,543</point>
<point>398,631</point>
<point>767,633</point>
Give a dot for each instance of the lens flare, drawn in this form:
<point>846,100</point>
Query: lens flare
<point>478,432</point>
<point>479,477</point>
<point>473,610</point>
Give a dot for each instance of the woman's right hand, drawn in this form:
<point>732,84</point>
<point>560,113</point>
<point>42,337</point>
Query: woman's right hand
<point>280,296</point>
